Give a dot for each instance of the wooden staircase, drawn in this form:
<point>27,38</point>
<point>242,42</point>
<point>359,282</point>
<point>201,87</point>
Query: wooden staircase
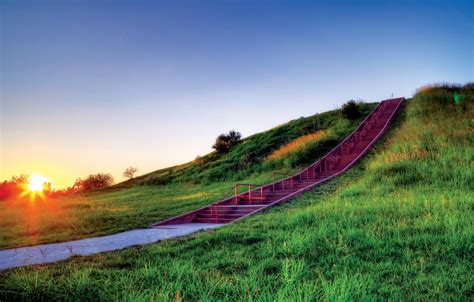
<point>256,198</point>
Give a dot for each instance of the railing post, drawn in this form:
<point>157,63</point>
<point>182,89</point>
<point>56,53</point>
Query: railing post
<point>292,182</point>
<point>273,176</point>
<point>250,194</point>
<point>236,194</point>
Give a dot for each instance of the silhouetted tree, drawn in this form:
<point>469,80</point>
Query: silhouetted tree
<point>13,187</point>
<point>351,110</point>
<point>47,188</point>
<point>129,172</point>
<point>94,182</point>
<point>225,142</point>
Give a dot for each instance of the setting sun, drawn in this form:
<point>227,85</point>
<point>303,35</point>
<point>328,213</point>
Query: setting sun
<point>36,183</point>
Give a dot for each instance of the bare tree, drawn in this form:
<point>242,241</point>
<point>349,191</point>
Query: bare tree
<point>129,172</point>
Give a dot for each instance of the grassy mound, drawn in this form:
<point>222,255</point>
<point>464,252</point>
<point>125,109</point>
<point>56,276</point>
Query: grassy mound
<point>249,157</point>
<point>167,192</point>
<point>397,227</point>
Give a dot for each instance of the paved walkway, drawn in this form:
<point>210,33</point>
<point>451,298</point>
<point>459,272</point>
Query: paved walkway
<point>53,252</point>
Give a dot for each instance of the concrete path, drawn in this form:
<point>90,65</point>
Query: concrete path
<point>53,252</point>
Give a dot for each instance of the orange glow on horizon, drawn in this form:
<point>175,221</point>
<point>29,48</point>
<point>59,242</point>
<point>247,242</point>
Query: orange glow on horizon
<point>35,187</point>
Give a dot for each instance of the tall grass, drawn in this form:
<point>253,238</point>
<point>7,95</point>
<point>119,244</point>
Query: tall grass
<point>299,144</point>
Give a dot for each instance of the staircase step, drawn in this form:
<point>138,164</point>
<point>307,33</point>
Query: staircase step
<point>226,216</point>
<point>210,220</point>
<point>258,197</point>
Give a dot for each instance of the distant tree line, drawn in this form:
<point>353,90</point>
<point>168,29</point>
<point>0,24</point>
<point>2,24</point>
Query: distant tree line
<point>18,184</point>
<point>14,186</point>
<point>94,182</point>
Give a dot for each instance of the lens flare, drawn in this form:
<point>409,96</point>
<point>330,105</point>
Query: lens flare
<point>36,183</point>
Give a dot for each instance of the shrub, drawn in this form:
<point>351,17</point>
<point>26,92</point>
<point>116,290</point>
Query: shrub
<point>445,94</point>
<point>225,142</point>
<point>94,182</point>
<point>351,110</point>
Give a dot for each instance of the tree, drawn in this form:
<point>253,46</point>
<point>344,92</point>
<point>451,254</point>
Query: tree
<point>351,110</point>
<point>94,182</point>
<point>21,179</point>
<point>129,172</point>
<point>13,187</point>
<point>225,142</point>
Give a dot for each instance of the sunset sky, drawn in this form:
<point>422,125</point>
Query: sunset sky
<point>97,86</point>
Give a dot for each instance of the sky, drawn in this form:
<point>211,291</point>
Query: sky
<point>97,86</point>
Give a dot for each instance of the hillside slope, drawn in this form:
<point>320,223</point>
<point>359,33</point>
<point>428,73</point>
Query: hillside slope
<point>251,155</point>
<point>398,226</point>
<point>175,190</point>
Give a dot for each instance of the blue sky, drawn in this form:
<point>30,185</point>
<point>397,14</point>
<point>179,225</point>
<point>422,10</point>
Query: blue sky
<point>89,86</point>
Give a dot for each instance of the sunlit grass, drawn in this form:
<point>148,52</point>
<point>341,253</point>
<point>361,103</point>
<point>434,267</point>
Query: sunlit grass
<point>299,144</point>
<point>43,220</point>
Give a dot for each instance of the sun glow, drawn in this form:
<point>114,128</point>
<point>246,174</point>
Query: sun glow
<point>36,183</point>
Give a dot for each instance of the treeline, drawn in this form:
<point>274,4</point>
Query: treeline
<point>19,184</point>
<point>13,187</point>
<point>91,183</point>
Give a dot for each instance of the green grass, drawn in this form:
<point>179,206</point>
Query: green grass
<point>102,213</point>
<point>396,227</point>
<point>164,193</point>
